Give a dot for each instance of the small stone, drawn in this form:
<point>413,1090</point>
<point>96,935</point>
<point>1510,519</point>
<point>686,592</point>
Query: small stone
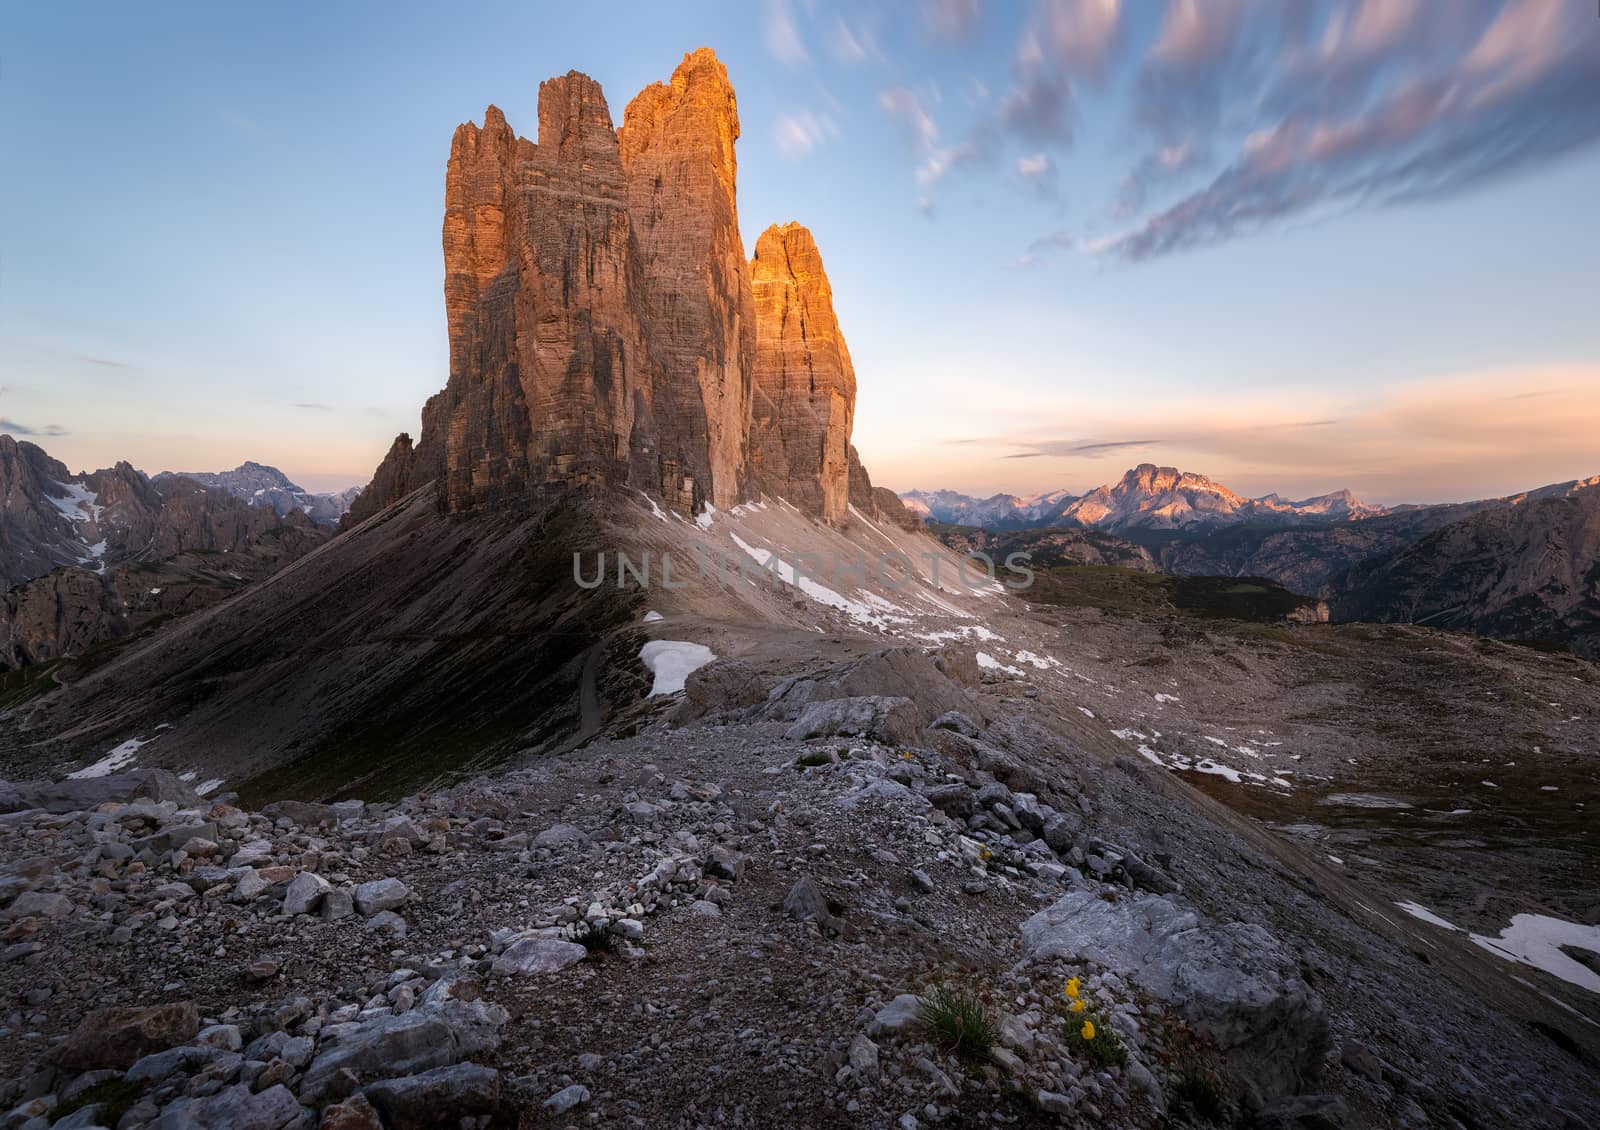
<point>864,1057</point>
<point>264,970</point>
<point>380,894</point>
<point>305,893</point>
<point>1052,1103</point>
<point>389,922</point>
<point>897,1016</point>
<point>567,1098</point>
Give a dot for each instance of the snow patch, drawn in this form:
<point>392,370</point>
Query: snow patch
<point>652,616</point>
<point>989,662</point>
<point>119,758</point>
<point>206,788</point>
<point>705,517</point>
<point>861,611</point>
<point>672,661</point>
<point>1537,940</point>
<point>1417,910</point>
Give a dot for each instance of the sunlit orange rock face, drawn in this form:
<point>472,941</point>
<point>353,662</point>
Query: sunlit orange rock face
<point>606,328</point>
<point>677,150</point>
<point>805,386</point>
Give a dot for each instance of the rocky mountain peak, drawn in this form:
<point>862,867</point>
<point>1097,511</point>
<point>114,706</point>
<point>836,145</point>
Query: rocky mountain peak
<point>604,325</point>
<point>805,385</point>
<point>1149,479</point>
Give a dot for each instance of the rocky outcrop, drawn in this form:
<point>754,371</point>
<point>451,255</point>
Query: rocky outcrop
<point>805,386</point>
<point>549,367</point>
<point>1236,982</point>
<point>402,471</point>
<point>50,518</point>
<point>36,535</point>
<point>677,146</point>
<point>603,320</point>
<point>1526,571</point>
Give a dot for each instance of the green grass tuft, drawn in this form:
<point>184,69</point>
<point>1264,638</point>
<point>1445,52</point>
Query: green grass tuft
<point>598,940</point>
<point>958,1019</point>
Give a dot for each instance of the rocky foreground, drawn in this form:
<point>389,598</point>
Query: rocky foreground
<point>733,921</point>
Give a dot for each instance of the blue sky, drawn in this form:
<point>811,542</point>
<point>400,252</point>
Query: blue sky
<point>1294,246</point>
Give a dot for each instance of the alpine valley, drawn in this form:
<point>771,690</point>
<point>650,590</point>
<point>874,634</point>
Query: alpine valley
<point>1522,567</point>
<point>621,755</point>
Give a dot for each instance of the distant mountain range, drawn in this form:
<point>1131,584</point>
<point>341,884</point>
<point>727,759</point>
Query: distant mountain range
<point>96,556</point>
<point>1526,566</point>
<point>260,485</point>
<point>1145,498</point>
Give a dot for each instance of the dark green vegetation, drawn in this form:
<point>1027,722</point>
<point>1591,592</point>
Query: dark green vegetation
<point>596,939</point>
<point>958,1019</point>
<point>1103,1049</point>
<point>1111,589</point>
<point>1046,548</point>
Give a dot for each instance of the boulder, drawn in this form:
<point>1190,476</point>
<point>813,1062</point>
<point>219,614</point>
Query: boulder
<point>380,894</point>
<point>440,1097</point>
<point>355,1113</point>
<point>430,1036</point>
<point>305,893</point>
<point>529,957</point>
<point>1236,982</point>
<point>805,902</point>
<point>155,785</point>
<point>724,684</point>
<point>302,813</point>
<point>235,1108</point>
<point>890,720</point>
<point>559,835</point>
<point>118,1037</point>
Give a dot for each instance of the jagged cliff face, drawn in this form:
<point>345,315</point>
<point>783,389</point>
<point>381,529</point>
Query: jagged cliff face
<point>1528,571</point>
<point>606,328</point>
<point>805,386</point>
<point>50,518</point>
<point>677,144</point>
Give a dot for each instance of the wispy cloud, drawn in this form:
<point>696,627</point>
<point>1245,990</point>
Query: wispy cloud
<point>955,20</point>
<point>854,44</point>
<point>800,134</point>
<point>1082,448</point>
<point>19,429</point>
<point>782,34</point>
<point>1388,106</point>
<point>313,406</point>
<point>1044,246</point>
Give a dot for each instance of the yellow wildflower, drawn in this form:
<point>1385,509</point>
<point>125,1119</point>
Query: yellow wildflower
<point>1072,988</point>
<point>1087,1031</point>
<point>1077,1006</point>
